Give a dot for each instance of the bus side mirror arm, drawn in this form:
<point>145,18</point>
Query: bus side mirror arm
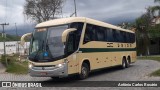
<point>66,32</point>
<point>23,38</point>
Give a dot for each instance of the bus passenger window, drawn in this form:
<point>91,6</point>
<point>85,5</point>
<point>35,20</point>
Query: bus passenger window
<point>132,36</point>
<point>127,38</point>
<point>121,37</point>
<point>115,36</point>
<point>117,33</point>
<point>89,34</point>
<point>109,35</point>
<point>100,34</point>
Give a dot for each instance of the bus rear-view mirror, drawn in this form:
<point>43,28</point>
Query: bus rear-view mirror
<point>23,38</point>
<point>66,32</point>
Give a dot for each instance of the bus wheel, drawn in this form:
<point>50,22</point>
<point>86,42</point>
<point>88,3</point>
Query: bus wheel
<point>128,62</point>
<point>84,71</point>
<point>124,63</point>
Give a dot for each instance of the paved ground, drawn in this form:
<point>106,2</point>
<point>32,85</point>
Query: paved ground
<point>139,71</point>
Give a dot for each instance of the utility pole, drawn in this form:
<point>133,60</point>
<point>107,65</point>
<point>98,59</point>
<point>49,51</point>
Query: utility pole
<point>75,6</point>
<point>4,37</point>
<point>75,9</point>
<point>4,40</point>
<point>17,50</point>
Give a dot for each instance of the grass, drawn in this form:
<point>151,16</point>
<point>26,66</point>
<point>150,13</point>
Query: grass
<point>156,73</point>
<point>10,38</point>
<point>17,68</point>
<point>14,66</point>
<point>156,58</point>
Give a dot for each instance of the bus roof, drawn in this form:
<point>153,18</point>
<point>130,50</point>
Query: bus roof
<point>62,21</point>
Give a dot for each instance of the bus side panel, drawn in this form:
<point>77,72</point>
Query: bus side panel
<point>97,60</point>
<point>134,57</point>
<point>72,64</point>
<point>100,56</point>
<point>104,59</point>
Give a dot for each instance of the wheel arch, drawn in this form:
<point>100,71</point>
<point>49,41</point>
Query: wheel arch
<point>87,61</point>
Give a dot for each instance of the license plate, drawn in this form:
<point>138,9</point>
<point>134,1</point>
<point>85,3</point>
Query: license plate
<point>43,73</point>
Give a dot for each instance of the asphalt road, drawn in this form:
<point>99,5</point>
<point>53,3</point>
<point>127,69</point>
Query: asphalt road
<point>138,71</point>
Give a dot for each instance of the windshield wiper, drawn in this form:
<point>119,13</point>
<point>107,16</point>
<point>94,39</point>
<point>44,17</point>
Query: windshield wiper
<point>43,49</point>
<point>39,50</point>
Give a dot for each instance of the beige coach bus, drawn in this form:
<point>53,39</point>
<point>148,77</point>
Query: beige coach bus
<point>78,45</point>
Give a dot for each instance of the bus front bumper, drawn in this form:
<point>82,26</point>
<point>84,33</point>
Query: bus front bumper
<point>60,70</point>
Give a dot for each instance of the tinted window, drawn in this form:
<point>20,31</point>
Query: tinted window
<point>116,35</point>
<point>122,36</point>
<point>94,33</point>
<point>74,37</point>
<point>109,36</point>
<point>100,33</point>
<point>71,43</point>
<point>89,33</point>
<point>132,36</point>
<point>129,37</point>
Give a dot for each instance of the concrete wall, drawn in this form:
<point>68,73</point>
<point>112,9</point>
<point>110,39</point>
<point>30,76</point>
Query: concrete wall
<point>12,47</point>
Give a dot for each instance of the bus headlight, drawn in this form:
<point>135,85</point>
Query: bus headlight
<point>30,65</point>
<point>60,65</point>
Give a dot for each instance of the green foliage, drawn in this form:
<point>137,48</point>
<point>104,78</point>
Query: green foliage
<point>156,8</point>
<point>156,73</point>
<point>156,58</point>
<point>3,60</point>
<point>154,31</point>
<point>10,38</point>
<point>145,30</point>
<point>15,66</point>
<point>142,36</point>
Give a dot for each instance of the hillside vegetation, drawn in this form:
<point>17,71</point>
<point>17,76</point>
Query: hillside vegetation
<point>10,37</point>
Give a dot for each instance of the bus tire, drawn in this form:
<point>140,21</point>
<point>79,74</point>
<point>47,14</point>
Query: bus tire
<point>128,62</point>
<point>84,71</point>
<point>124,63</point>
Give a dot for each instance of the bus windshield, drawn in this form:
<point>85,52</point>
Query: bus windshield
<point>47,45</point>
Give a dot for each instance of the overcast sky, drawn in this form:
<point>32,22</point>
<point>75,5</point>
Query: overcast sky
<point>111,11</point>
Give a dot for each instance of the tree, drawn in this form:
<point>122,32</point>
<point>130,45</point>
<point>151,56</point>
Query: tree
<point>142,33</point>
<point>155,30</point>
<point>146,31</point>
<point>42,10</point>
<point>156,8</point>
